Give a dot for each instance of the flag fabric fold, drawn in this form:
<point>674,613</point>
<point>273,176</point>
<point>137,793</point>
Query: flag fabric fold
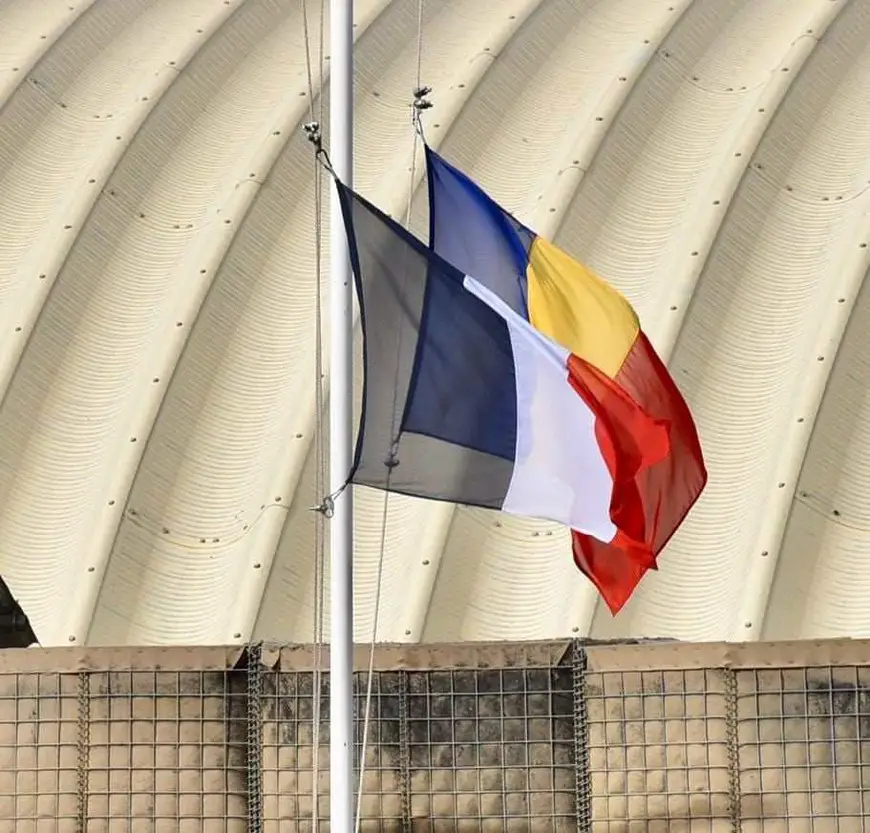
<point>653,489</point>
<point>465,401</point>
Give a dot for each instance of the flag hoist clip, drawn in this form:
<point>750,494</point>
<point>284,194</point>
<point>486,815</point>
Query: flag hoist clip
<point>326,507</point>
<point>315,136</point>
<point>420,103</point>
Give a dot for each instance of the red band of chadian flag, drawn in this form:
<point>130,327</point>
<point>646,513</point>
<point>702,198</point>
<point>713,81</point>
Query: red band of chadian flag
<point>650,444</point>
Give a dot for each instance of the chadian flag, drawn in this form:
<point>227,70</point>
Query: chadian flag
<point>566,302</point>
<point>465,401</point>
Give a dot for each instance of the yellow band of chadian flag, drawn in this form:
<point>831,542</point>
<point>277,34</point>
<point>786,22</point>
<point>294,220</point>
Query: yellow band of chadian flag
<point>573,306</point>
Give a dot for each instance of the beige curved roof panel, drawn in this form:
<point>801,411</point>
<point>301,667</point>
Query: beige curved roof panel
<point>158,289</point>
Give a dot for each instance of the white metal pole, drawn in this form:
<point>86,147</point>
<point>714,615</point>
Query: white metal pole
<point>341,751</point>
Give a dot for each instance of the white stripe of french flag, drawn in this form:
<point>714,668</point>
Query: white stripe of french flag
<point>560,472</point>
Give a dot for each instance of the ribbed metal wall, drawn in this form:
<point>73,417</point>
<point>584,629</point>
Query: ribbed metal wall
<point>157,295</point>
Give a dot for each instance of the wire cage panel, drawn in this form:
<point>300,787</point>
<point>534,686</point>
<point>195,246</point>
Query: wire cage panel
<point>524,738</point>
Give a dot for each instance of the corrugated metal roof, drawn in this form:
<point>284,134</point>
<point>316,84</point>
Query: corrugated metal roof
<point>157,295</point>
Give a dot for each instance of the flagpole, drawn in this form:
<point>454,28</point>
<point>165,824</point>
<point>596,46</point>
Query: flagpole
<point>341,751</point>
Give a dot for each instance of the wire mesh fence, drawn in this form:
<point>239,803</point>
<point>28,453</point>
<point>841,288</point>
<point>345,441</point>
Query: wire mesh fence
<point>509,737</point>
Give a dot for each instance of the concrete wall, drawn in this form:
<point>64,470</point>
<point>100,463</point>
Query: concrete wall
<point>476,737</point>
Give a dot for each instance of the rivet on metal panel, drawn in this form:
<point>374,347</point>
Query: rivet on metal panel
<point>42,276</point>
<point>67,227</point>
<point>132,439</point>
<point>179,323</point>
<point>747,624</point>
<point>862,245</point>
<point>738,154</point>
<point>91,569</point>
<point>155,380</point>
<point>764,553</point>
<point>425,562</point>
<point>841,300</point>
<point>257,566</point>
<point>673,308</point>
<point>820,358</point>
<point>800,419</point>
<point>71,638</point>
<point>694,254</point>
<point>111,503</point>
<point>18,329</point>
<point>716,202</point>
<point>15,69</point>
